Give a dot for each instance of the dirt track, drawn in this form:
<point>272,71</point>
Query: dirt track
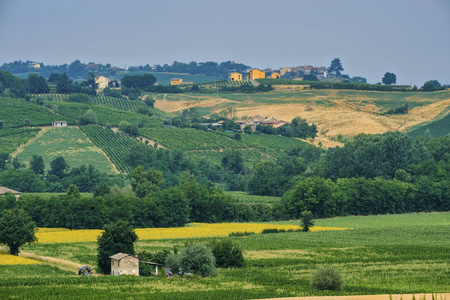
<point>437,296</point>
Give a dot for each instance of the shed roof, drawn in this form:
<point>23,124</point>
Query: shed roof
<point>4,190</point>
<point>120,256</point>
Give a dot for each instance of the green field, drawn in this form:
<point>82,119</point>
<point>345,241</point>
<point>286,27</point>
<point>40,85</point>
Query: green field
<point>389,254</point>
<point>70,143</point>
<point>11,138</point>
<point>434,129</point>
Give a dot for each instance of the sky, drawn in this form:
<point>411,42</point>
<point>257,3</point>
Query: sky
<point>409,38</point>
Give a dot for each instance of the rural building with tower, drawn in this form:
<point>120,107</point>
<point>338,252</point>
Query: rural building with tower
<point>255,74</point>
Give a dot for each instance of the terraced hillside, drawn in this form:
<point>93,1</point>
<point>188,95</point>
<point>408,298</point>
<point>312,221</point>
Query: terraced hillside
<point>345,112</point>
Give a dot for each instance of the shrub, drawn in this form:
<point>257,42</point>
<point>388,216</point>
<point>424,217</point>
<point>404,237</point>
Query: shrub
<point>240,233</point>
<point>173,261</point>
<point>227,254</point>
<point>80,98</point>
<point>326,278</point>
<point>306,218</point>
<point>198,259</point>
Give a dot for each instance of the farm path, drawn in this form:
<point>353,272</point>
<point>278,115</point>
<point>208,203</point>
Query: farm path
<point>60,263</point>
<point>435,296</point>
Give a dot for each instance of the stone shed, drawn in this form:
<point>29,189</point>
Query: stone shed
<point>124,264</point>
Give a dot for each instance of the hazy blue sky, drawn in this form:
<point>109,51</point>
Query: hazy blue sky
<point>409,38</point>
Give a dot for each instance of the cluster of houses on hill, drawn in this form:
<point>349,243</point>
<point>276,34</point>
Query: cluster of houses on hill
<point>252,122</point>
<point>252,75</point>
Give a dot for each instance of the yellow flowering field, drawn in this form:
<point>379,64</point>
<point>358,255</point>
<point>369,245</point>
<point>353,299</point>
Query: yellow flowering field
<point>193,230</point>
<point>8,259</point>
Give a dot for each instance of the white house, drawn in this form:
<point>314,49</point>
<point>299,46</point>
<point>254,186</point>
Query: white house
<point>59,123</point>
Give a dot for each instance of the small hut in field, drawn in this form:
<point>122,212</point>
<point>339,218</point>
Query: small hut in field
<point>124,264</point>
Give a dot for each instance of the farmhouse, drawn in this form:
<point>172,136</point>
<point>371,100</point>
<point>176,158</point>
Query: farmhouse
<point>176,81</point>
<point>124,264</point>
<point>4,190</point>
<point>255,74</point>
<point>59,123</point>
<point>275,75</point>
<point>235,76</point>
<point>102,82</point>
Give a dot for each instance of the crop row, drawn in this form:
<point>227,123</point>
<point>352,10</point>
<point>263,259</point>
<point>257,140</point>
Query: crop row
<point>115,145</point>
<point>222,83</point>
<point>119,103</point>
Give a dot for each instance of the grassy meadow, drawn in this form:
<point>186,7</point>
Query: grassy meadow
<point>388,254</point>
<point>68,142</point>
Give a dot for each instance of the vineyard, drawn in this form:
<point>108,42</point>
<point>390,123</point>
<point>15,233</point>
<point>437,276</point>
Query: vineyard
<point>11,138</point>
<point>115,145</point>
<point>106,115</point>
<point>222,83</point>
<point>18,112</point>
<point>119,103</point>
<point>209,145</point>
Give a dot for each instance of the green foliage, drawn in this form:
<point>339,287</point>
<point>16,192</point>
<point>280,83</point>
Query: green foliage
<point>227,253</point>
<point>326,278</point>
<point>37,164</point>
<point>117,237</point>
<point>198,259</point>
<point>58,167</point>
<point>145,182</point>
<point>403,109</point>
<point>306,219</point>
<point>310,77</point>
<point>389,78</point>
<point>336,67</point>
<point>16,229</point>
<point>90,117</point>
<point>73,191</point>
<point>142,81</point>
<point>431,85</point>
<point>37,84</point>
<point>79,98</point>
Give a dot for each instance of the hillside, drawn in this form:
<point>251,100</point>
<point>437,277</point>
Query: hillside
<point>68,142</point>
<point>338,111</point>
<point>434,129</point>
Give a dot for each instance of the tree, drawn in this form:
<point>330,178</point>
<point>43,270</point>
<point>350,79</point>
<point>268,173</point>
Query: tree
<point>145,182</point>
<point>310,77</point>
<point>73,191</point>
<point>431,85</point>
<point>64,84</point>
<point>37,84</point>
<point>336,67</point>
<point>198,259</point>
<point>37,164</point>
<point>58,167</point>
<point>117,237</point>
<point>142,81</point>
<point>306,218</point>
<point>90,117</point>
<point>16,229</point>
<point>227,254</point>
<point>389,78</point>
<point>92,84</point>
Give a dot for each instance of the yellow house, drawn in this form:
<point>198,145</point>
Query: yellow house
<point>275,75</point>
<point>36,65</point>
<point>102,82</point>
<point>255,74</point>
<point>176,81</point>
<point>235,76</point>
